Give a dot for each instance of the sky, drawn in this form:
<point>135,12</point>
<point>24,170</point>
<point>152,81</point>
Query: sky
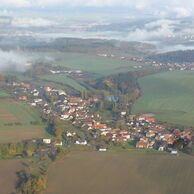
<point>178,8</point>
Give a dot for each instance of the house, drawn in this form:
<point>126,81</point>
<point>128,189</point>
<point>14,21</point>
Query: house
<point>65,115</point>
<point>33,104</point>
<point>81,142</point>
<point>61,92</point>
<point>151,144</point>
<point>58,143</point>
<point>123,113</point>
<point>69,134</point>
<point>161,148</point>
<point>102,149</point>
<point>141,144</point>
<point>36,94</point>
<point>150,120</point>
<point>46,141</point>
<point>144,139</point>
<point>174,152</point>
<point>150,134</point>
<point>25,85</point>
<point>37,100</point>
<point>47,89</point>
<point>23,98</point>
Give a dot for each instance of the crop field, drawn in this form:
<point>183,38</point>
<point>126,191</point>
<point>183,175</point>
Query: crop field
<point>16,133</point>
<point>121,173</point>
<point>12,113</point>
<point>170,96</point>
<point>8,176</point>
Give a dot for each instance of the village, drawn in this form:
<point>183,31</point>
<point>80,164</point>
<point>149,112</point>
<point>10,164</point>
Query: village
<point>143,131</point>
<point>154,64</point>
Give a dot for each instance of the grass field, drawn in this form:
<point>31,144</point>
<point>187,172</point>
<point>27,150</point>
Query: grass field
<point>3,94</point>
<point>121,173</point>
<point>101,66</point>
<point>12,112</point>
<point>8,176</point>
<point>168,95</point>
<point>64,80</point>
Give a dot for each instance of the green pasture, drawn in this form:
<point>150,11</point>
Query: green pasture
<point>63,79</point>
<point>24,113</point>
<point>170,96</point>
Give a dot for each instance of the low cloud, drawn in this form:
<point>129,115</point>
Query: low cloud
<point>33,22</point>
<point>12,62</point>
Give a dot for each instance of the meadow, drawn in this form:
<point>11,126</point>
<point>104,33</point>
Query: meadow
<point>170,96</point>
<point>64,80</point>
<point>121,172</point>
<point>101,66</point>
<point>12,111</point>
<point>15,122</point>
<point>3,94</point>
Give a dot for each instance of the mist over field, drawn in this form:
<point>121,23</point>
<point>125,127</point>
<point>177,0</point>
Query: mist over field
<point>12,61</point>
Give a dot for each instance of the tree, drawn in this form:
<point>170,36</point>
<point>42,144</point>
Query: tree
<point>57,131</point>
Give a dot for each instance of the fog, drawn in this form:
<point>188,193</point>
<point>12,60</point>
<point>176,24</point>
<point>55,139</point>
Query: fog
<point>13,62</point>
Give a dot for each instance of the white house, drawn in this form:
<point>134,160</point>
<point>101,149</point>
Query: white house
<point>81,142</point>
<point>102,149</point>
<point>58,143</point>
<point>174,152</point>
<point>46,141</point>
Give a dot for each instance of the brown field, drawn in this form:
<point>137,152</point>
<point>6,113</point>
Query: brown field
<point>17,133</point>
<point>7,116</point>
<point>8,178</point>
<point>121,173</point>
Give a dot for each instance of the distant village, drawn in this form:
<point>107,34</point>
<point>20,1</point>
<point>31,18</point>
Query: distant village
<point>155,64</point>
<point>145,131</point>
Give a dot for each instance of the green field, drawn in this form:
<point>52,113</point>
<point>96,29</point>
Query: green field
<point>96,65</point>
<point>101,66</point>
<point>121,173</point>
<point>169,95</point>
<point>12,111</point>
<point>64,80</point>
<point>3,94</point>
<point>15,122</point>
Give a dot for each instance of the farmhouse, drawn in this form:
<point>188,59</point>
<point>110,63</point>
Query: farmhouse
<point>46,141</point>
<point>142,144</point>
<point>150,134</point>
<point>23,98</point>
<point>102,149</point>
<point>84,142</point>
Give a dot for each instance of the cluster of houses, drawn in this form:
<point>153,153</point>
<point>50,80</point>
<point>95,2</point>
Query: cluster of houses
<point>159,136</point>
<point>167,66</point>
<point>174,66</point>
<point>76,72</point>
<point>145,131</point>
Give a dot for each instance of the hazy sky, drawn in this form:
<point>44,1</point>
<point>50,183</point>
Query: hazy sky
<point>179,8</point>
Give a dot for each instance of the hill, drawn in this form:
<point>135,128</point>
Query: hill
<point>174,57</point>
